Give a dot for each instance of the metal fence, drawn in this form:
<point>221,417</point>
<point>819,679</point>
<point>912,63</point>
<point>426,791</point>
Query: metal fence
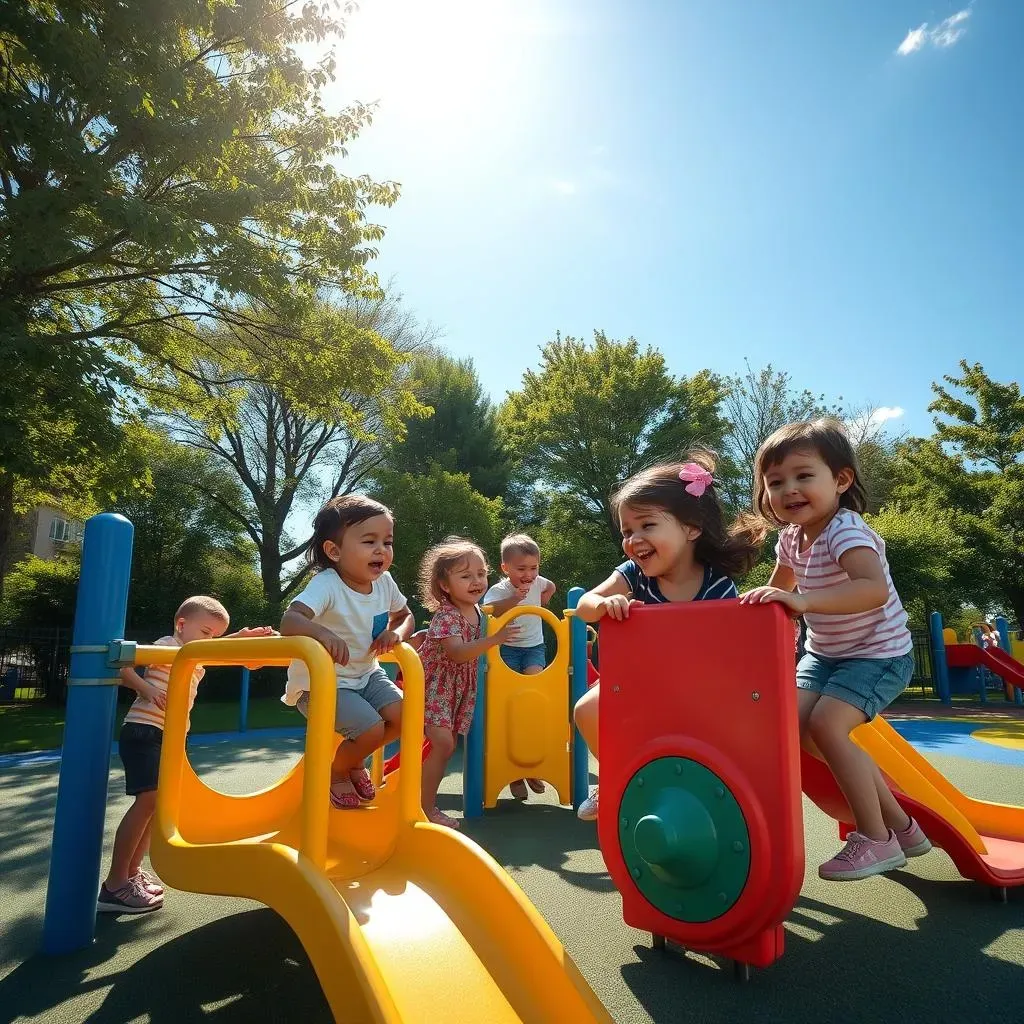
<point>34,663</point>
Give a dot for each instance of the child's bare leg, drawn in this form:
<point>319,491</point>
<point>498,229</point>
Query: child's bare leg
<point>353,752</point>
<point>442,746</point>
<point>135,865</point>
<point>392,715</point>
<point>829,726</point>
<point>892,814</point>
<point>585,717</point>
<point>134,826</point>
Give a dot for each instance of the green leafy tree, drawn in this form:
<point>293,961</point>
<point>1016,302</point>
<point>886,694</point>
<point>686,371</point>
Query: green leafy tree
<point>41,592</point>
<point>593,415</point>
<point>462,434</point>
<point>185,541</point>
<point>429,507</point>
<point>316,424</point>
<point>159,163</point>
<point>974,464</point>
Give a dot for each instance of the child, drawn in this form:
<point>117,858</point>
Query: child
<point>831,569</point>
<point>128,889</point>
<point>523,584</point>
<point>677,549</point>
<point>453,578</point>
<point>355,609</point>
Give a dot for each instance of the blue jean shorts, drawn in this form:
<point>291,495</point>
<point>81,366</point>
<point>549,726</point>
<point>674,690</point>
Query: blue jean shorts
<point>358,709</point>
<point>139,748</point>
<point>870,684</point>
<point>519,659</point>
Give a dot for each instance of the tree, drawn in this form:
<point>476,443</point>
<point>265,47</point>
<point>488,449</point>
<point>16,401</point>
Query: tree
<point>185,540</point>
<point>41,592</point>
<point>756,404</point>
<point>974,463</point>
<point>595,414</point>
<point>317,423</point>
<point>462,434</point>
<point>430,506</point>
<point>158,163</point>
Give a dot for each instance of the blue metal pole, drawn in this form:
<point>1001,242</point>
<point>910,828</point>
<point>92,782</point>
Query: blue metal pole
<point>473,772</point>
<point>940,669</point>
<point>70,919</point>
<point>580,784</point>
<point>243,710</point>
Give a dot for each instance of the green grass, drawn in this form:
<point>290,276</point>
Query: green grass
<point>26,727</point>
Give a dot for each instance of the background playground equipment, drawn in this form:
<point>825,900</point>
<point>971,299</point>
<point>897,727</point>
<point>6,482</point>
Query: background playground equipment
<point>960,668</point>
<point>522,724</point>
<point>380,898</point>
<point>700,816</point>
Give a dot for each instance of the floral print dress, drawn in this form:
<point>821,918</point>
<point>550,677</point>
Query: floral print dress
<point>450,686</point>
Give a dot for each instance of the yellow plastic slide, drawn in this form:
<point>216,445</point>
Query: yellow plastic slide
<point>984,840</point>
<point>403,921</point>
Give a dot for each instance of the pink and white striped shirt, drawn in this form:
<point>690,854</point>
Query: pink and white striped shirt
<point>879,633</point>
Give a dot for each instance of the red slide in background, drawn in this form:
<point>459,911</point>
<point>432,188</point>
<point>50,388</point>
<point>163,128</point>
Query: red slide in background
<point>995,660</point>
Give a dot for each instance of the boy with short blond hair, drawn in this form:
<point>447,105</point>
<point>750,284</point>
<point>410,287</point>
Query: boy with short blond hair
<point>128,889</point>
<point>523,584</point>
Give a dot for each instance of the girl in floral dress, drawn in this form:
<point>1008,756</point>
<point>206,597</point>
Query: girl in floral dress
<point>453,578</point>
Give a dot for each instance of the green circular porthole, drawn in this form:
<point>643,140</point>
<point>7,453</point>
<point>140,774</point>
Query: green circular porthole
<point>684,839</point>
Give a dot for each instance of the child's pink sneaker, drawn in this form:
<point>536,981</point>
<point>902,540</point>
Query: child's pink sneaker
<point>440,818</point>
<point>363,784</point>
<point>343,795</point>
<point>150,883</point>
<point>913,841</point>
<point>862,857</point>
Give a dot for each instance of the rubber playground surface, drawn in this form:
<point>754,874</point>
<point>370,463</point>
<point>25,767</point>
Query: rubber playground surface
<point>919,944</point>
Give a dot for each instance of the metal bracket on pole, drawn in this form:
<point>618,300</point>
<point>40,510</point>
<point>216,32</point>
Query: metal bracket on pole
<point>121,653</point>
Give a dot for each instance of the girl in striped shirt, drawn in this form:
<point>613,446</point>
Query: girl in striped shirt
<point>677,548</point>
<point>831,569</point>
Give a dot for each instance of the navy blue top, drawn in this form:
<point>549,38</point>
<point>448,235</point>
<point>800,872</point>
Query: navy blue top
<point>714,586</point>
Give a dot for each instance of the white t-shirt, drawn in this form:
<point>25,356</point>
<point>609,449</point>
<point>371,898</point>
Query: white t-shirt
<point>357,618</point>
<point>531,629</point>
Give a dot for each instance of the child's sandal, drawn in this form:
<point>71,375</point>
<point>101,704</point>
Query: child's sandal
<point>344,796</point>
<point>437,817</point>
<point>362,784</point>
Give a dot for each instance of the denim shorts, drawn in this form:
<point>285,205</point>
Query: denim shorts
<point>139,746</point>
<point>519,659</point>
<point>357,709</point>
<point>870,684</point>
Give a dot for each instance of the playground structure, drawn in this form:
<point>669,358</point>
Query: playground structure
<point>700,821</point>
<point>380,899</point>
<point>961,668</point>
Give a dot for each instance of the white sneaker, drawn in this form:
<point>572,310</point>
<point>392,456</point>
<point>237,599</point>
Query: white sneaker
<point>588,809</point>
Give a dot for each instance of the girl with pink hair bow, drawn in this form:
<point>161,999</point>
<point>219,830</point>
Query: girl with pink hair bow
<point>677,547</point>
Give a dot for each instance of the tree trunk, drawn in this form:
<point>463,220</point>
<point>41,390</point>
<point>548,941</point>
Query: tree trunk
<point>6,524</point>
<point>270,573</point>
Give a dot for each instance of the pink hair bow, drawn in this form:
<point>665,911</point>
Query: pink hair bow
<point>696,478</point>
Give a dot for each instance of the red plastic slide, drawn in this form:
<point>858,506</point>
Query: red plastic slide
<point>995,660</point>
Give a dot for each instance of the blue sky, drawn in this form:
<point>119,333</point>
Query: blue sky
<point>835,188</point>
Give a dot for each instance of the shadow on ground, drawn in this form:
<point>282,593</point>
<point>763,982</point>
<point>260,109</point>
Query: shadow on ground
<point>246,967</point>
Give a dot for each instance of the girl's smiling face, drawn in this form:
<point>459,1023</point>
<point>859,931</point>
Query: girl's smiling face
<point>466,582</point>
<point>655,539</point>
<point>803,490</point>
<point>365,551</point>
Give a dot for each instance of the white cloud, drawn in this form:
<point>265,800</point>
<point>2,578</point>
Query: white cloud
<point>884,413</point>
<point>916,38</point>
<point>943,35</point>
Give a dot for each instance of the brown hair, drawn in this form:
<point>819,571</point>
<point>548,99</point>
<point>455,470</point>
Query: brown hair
<point>826,438</point>
<point>518,544</point>
<point>732,551</point>
<point>334,518</point>
<point>201,605</point>
<point>439,563</point>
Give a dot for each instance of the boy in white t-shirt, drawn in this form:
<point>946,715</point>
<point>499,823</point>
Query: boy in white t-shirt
<point>523,584</point>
